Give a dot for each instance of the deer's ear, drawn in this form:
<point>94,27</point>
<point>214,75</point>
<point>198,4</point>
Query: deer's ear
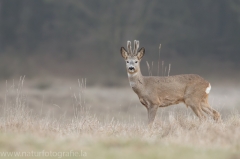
<point>124,53</point>
<point>141,53</point>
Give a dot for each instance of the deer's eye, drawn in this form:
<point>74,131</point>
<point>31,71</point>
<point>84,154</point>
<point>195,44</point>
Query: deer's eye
<point>127,61</point>
<point>136,62</point>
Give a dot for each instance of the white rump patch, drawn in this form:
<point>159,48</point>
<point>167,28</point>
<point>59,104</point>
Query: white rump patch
<point>208,89</point>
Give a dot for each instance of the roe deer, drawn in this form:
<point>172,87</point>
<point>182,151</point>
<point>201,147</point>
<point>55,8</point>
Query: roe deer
<point>154,91</point>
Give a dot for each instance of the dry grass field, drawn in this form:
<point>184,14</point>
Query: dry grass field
<point>66,119</point>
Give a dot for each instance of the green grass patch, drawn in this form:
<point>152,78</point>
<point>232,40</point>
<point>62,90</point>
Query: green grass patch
<point>29,146</point>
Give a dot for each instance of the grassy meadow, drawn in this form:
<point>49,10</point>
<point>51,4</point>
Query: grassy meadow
<point>67,119</point>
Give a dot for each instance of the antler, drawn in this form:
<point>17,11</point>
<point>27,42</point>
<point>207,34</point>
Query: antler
<point>135,50</point>
<point>129,47</point>
<point>136,46</point>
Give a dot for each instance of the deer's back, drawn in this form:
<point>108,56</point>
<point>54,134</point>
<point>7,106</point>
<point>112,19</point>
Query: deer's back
<point>174,87</point>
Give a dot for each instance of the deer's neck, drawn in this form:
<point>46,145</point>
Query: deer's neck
<point>136,80</point>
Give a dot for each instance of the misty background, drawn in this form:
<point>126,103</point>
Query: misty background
<point>81,39</point>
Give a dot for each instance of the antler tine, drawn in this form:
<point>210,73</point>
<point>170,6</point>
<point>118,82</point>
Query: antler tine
<point>129,47</point>
<point>136,46</point>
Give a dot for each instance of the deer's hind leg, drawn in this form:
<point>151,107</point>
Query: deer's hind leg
<point>195,106</point>
<point>210,111</point>
<point>198,111</point>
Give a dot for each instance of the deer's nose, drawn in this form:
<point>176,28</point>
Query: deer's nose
<point>131,68</point>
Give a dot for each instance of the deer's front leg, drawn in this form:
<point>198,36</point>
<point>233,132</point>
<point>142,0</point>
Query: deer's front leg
<point>152,110</point>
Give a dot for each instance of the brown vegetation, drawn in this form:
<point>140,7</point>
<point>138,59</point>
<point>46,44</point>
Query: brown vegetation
<point>83,130</point>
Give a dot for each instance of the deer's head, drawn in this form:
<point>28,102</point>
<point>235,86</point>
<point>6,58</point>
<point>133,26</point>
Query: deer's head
<point>132,57</point>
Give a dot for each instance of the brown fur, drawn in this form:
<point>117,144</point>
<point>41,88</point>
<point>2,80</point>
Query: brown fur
<point>154,91</point>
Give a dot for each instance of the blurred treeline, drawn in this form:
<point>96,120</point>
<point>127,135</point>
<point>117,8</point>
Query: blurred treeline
<point>83,37</point>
